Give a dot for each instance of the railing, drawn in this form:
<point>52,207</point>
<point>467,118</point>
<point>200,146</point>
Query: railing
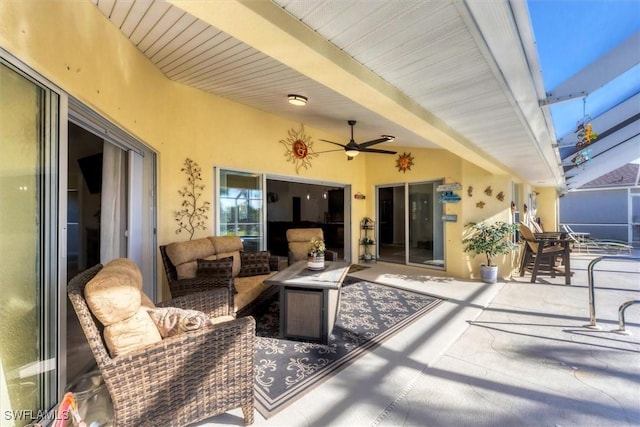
<point>592,295</point>
<point>621,325</point>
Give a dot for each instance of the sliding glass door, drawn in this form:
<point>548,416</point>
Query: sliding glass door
<point>425,225</point>
<point>410,227</point>
<point>29,309</point>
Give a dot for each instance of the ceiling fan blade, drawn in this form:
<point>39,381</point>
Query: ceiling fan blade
<point>374,150</point>
<point>330,151</point>
<point>384,138</point>
<point>331,142</point>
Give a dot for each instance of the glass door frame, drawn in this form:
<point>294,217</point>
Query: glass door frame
<point>407,212</point>
<point>52,233</point>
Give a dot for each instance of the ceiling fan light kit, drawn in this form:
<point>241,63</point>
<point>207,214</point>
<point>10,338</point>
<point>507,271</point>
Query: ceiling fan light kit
<point>352,149</point>
<point>297,100</point>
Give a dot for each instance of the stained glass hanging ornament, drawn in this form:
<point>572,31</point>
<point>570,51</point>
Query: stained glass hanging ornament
<point>584,131</point>
<point>581,157</point>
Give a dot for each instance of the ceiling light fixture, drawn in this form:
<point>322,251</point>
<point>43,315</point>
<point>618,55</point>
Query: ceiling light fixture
<point>298,100</point>
<point>352,153</point>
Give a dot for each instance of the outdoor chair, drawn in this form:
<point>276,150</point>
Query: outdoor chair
<point>544,256</point>
<point>299,241</point>
<point>582,240</point>
<point>179,379</point>
<point>539,233</point>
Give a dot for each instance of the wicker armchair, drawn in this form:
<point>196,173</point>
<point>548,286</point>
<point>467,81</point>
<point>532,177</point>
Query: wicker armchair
<point>181,379</point>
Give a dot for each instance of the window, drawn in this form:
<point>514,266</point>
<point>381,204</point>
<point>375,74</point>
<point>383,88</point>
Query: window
<point>240,209</point>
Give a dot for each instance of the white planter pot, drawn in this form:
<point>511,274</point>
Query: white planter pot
<point>489,273</point>
<point>315,262</point>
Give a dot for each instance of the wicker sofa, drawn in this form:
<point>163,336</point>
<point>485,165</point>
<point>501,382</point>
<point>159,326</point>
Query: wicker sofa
<point>244,275</point>
<point>196,373</point>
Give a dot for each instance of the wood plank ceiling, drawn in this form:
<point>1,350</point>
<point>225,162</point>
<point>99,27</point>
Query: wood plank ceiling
<point>438,74</point>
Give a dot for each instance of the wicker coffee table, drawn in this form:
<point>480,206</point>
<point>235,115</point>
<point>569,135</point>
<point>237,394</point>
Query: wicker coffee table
<point>309,300</point>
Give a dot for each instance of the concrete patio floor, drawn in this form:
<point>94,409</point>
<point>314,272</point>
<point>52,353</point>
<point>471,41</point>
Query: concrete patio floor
<point>513,353</point>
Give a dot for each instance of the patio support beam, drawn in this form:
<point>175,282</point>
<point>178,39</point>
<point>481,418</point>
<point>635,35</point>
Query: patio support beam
<point>606,68</point>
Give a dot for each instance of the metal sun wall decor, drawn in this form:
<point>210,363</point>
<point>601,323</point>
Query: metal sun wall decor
<point>404,162</point>
<point>299,148</point>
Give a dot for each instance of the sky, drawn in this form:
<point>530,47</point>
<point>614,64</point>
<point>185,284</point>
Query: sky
<point>570,34</point>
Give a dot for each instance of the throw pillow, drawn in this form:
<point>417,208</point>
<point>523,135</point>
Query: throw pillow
<point>172,321</point>
<point>254,263</point>
<point>221,269</point>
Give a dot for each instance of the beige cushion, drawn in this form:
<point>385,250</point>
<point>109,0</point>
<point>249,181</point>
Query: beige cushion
<point>135,332</point>
<point>183,255</point>
<point>226,243</point>
<point>299,241</point>
<point>128,266</point>
<point>113,295</point>
<point>172,321</point>
<point>249,288</point>
<point>145,301</point>
<point>226,246</point>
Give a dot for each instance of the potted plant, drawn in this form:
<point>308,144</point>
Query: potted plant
<point>491,240</point>
<point>315,256</point>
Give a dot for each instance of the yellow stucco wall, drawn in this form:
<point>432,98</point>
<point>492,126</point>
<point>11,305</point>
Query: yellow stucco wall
<point>74,46</point>
<point>548,209</point>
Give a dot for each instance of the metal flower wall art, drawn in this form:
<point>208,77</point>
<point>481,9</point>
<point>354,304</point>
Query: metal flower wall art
<point>192,214</point>
<point>299,148</point>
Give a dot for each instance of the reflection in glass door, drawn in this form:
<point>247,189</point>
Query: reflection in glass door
<point>391,224</point>
<point>240,208</point>
<point>28,364</point>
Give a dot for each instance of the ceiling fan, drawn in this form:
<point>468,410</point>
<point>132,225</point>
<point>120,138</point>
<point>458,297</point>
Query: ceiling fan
<point>352,149</point>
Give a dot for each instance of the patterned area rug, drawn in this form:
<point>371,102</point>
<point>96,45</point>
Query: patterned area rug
<point>369,314</point>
